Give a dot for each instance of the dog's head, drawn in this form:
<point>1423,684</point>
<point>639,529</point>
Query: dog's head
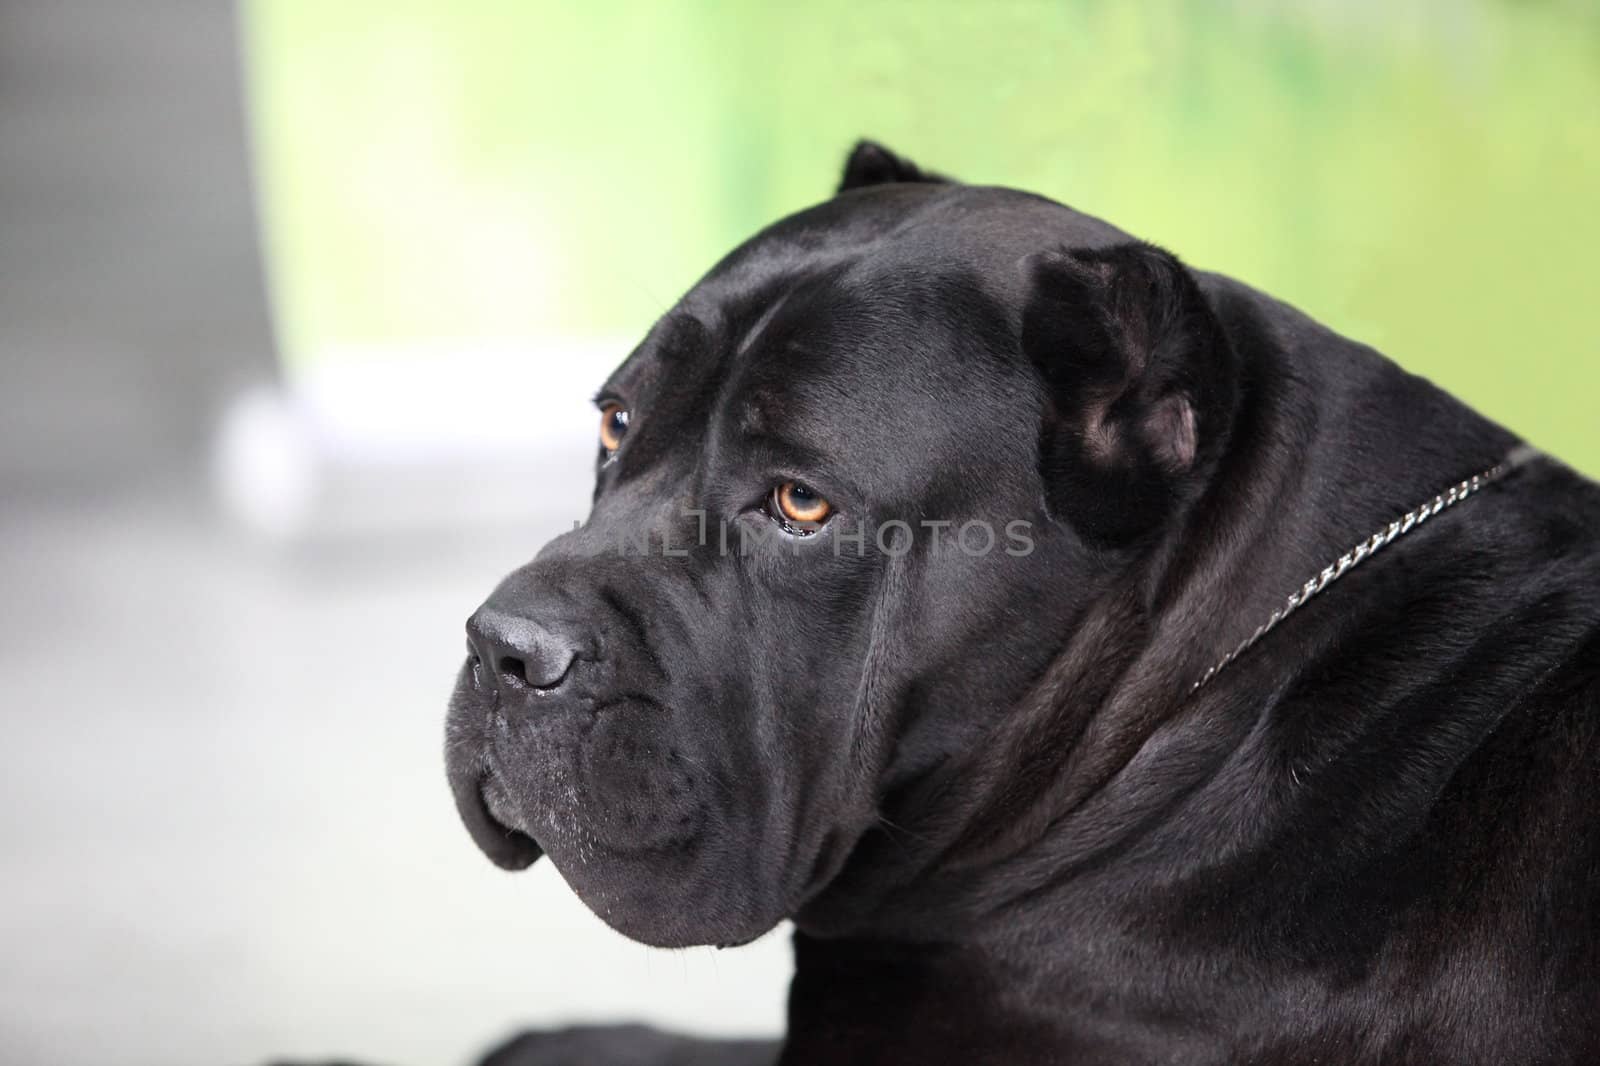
<point>851,494</point>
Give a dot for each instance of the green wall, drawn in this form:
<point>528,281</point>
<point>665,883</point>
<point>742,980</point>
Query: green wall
<point>1420,176</point>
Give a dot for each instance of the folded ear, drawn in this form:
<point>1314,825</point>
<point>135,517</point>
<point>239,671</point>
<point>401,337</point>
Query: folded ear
<point>870,163</point>
<point>1140,382</point>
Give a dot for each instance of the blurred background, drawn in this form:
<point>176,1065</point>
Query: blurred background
<point>300,307</point>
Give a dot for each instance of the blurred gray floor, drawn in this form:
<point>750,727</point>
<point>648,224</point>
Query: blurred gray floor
<point>224,831</point>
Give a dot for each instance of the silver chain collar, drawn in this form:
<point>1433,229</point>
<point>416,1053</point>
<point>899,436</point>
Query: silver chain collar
<point>1371,546</point>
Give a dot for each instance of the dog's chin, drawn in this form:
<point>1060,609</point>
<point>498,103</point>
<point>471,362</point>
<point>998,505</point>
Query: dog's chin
<point>628,816</point>
<point>676,899</point>
<point>682,891</point>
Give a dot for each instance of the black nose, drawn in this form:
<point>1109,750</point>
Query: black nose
<point>518,653</point>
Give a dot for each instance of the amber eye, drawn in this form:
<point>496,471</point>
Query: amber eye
<point>797,502</point>
<point>613,426</point>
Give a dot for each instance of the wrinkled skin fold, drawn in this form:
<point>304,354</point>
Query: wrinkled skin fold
<point>949,730</point>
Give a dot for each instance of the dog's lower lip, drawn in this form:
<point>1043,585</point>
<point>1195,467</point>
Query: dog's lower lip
<point>517,849</point>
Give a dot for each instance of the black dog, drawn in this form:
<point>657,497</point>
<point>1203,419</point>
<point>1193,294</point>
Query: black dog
<point>925,530</point>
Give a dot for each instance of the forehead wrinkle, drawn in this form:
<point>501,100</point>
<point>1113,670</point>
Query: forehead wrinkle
<point>663,346</point>
<point>800,424</point>
<point>759,326</point>
<point>681,328</point>
<point>759,425</point>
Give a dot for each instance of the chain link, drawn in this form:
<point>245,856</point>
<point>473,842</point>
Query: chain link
<point>1370,547</point>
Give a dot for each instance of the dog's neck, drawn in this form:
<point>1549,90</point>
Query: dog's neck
<point>855,1002</point>
<point>1085,815</point>
<point>1329,441</point>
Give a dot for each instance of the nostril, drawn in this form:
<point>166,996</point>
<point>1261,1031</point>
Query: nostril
<point>515,653</point>
<point>541,674</point>
<point>513,670</point>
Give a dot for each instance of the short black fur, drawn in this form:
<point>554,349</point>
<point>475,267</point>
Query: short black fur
<point>1006,828</point>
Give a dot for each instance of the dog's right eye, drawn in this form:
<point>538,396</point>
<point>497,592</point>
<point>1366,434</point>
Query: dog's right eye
<point>613,426</point>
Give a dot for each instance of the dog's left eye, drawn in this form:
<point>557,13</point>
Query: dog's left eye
<point>799,506</point>
<point>613,426</point>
